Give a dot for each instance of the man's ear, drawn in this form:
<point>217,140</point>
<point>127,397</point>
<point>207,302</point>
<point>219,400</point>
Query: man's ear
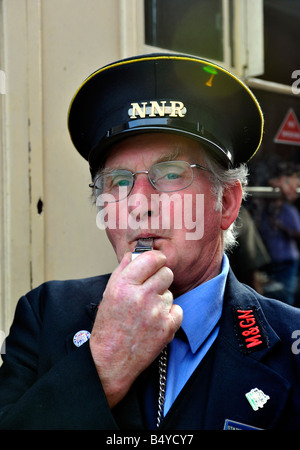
<point>232,199</point>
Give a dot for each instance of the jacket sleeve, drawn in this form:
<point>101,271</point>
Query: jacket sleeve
<point>68,396</point>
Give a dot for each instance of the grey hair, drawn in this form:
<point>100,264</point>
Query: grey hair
<point>222,179</point>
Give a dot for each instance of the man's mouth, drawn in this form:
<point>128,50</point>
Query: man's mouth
<point>143,245</point>
<point>146,240</point>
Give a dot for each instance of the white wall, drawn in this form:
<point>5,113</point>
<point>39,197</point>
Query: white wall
<point>47,48</point>
<point>77,38</point>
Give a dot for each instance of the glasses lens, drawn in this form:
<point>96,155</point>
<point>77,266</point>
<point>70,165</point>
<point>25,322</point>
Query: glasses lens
<point>171,176</point>
<point>116,184</point>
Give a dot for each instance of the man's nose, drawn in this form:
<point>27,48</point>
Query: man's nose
<point>140,201</point>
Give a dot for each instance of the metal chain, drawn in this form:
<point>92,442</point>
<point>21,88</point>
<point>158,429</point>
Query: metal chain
<point>162,368</point>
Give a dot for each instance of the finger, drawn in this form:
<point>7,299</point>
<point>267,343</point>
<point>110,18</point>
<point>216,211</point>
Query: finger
<point>143,267</point>
<point>167,299</point>
<point>177,315</point>
<point>160,281</point>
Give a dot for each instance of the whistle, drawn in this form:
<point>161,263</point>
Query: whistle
<point>143,245</point>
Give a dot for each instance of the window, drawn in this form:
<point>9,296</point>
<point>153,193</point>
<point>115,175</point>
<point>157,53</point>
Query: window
<point>281,40</point>
<point>187,26</point>
<point>229,32</point>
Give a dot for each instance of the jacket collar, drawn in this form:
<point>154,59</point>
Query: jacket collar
<point>248,369</point>
<point>238,328</point>
<point>236,370</point>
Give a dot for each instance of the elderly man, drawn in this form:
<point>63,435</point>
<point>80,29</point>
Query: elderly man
<point>170,339</point>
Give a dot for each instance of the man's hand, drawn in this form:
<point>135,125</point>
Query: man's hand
<point>135,320</point>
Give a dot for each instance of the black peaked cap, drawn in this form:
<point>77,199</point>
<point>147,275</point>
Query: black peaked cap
<point>169,93</point>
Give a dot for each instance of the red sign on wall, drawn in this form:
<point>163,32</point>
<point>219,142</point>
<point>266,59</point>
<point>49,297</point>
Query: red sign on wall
<point>289,131</point>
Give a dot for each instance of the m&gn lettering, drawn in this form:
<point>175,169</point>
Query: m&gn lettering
<point>249,327</point>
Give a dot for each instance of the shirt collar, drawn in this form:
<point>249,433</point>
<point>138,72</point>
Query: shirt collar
<point>202,307</point>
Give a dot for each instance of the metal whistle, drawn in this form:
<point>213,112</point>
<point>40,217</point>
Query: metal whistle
<point>143,245</point>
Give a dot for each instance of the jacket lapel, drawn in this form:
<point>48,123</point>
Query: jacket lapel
<point>233,376</point>
<point>85,324</point>
<point>237,370</point>
<point>86,308</point>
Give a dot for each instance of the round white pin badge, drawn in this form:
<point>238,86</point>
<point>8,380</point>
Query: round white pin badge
<point>81,337</point>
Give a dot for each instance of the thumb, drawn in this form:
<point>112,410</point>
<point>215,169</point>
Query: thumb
<point>177,316</point>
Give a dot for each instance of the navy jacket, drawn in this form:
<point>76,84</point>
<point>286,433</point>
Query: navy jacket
<point>48,383</point>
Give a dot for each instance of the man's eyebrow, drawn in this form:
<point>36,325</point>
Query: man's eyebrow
<point>170,156</point>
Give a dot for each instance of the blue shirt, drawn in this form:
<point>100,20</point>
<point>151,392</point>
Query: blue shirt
<point>202,309</point>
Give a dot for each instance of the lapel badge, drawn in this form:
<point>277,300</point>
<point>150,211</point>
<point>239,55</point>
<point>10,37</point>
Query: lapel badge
<point>81,337</point>
<point>233,425</point>
<point>257,398</point>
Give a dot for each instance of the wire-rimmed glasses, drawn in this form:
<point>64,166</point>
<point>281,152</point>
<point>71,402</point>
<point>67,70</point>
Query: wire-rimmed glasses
<point>166,176</point>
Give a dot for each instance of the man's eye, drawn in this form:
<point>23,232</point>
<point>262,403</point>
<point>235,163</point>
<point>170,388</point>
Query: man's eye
<point>172,176</point>
<point>122,182</point>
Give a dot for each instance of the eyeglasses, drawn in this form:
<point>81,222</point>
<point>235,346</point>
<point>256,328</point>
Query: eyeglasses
<point>166,176</point>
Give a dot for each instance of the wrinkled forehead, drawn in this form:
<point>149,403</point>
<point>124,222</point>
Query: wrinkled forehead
<point>152,148</point>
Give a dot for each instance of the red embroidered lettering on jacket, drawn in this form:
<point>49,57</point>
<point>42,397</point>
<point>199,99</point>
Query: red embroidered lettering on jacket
<point>250,330</point>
